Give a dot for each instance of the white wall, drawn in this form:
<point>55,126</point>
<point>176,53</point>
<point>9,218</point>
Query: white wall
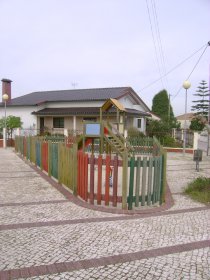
<point>139,108</point>
<point>24,113</point>
<point>188,122</point>
<point>143,124</point>
<point>126,102</point>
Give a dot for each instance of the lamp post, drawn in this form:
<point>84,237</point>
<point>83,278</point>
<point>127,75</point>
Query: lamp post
<point>5,98</point>
<point>186,86</point>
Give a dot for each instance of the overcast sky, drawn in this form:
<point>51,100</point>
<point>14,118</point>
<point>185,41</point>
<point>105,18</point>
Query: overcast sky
<point>62,44</point>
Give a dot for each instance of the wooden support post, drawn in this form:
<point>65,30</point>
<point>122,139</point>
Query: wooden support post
<point>102,138</point>
<point>107,182</point>
<point>115,181</point>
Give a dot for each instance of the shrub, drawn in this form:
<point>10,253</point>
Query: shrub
<point>134,132</point>
<point>199,189</point>
<point>198,123</point>
<point>169,141</point>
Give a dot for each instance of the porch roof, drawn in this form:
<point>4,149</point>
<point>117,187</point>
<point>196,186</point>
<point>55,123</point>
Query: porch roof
<point>87,111</point>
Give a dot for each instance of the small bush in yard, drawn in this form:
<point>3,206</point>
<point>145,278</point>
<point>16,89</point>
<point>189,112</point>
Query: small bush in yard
<point>199,189</point>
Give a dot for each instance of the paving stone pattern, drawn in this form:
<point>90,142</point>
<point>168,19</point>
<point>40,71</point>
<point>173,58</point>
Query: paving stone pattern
<point>124,247</point>
<point>193,265</point>
<point>47,212</point>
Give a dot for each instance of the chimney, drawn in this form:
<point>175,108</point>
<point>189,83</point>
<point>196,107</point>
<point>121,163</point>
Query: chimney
<point>6,88</point>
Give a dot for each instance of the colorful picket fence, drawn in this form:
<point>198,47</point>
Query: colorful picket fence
<point>100,179</point>
<point>141,145</point>
<point>57,159</point>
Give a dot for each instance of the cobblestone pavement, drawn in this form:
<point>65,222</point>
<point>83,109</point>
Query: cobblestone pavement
<point>44,235</point>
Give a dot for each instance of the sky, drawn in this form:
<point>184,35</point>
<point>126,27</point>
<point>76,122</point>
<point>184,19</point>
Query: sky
<point>67,44</point>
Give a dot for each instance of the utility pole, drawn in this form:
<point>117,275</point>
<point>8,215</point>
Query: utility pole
<point>169,107</point>
<point>209,92</point>
<point>208,144</point>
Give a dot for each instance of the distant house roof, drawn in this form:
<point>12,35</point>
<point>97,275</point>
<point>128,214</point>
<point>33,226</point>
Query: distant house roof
<point>154,116</point>
<point>89,111</point>
<point>189,116</point>
<point>95,94</point>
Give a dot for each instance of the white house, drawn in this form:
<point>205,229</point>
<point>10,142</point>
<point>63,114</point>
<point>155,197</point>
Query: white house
<point>67,109</point>
<point>188,117</point>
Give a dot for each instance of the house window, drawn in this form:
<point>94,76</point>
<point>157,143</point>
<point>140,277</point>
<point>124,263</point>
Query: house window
<point>139,123</point>
<point>58,122</point>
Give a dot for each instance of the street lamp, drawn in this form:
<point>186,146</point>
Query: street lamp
<point>186,86</point>
<point>5,97</point>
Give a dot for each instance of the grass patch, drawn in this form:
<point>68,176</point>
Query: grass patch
<point>199,190</point>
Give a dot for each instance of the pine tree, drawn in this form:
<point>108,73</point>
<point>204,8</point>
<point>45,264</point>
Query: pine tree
<point>202,104</point>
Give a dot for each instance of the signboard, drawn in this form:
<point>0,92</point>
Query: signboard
<point>92,129</point>
<point>197,156</point>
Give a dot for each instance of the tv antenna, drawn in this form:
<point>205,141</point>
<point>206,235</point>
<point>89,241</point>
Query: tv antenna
<point>74,84</point>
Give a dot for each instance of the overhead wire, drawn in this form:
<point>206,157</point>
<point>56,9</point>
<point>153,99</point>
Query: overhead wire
<point>191,71</point>
<point>154,43</point>
<point>173,69</point>
<point>160,45</point>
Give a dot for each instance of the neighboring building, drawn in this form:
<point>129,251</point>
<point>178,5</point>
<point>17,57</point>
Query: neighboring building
<point>181,119</point>
<point>154,117</point>
<point>56,110</point>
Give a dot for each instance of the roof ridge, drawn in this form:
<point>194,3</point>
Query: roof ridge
<point>79,89</point>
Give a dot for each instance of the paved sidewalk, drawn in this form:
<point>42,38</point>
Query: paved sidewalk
<point>44,235</point>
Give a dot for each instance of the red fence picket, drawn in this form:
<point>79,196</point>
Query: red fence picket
<point>90,186</point>
<point>45,156</point>
<point>99,186</point>
<point>107,179</point>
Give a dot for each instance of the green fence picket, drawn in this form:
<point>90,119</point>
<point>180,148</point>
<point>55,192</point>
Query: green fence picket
<point>149,186</point>
<point>54,166</point>
<point>138,169</point>
<point>131,183</point>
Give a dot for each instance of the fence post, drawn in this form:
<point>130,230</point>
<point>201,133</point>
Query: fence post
<point>115,181</point>
<point>75,168</point>
<point>91,179</point>
<point>124,180</point>
<point>41,154</point>
<point>60,161</point>
<point>130,198</point>
<point>138,167</point>
<point>49,158</point>
<point>163,178</point>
